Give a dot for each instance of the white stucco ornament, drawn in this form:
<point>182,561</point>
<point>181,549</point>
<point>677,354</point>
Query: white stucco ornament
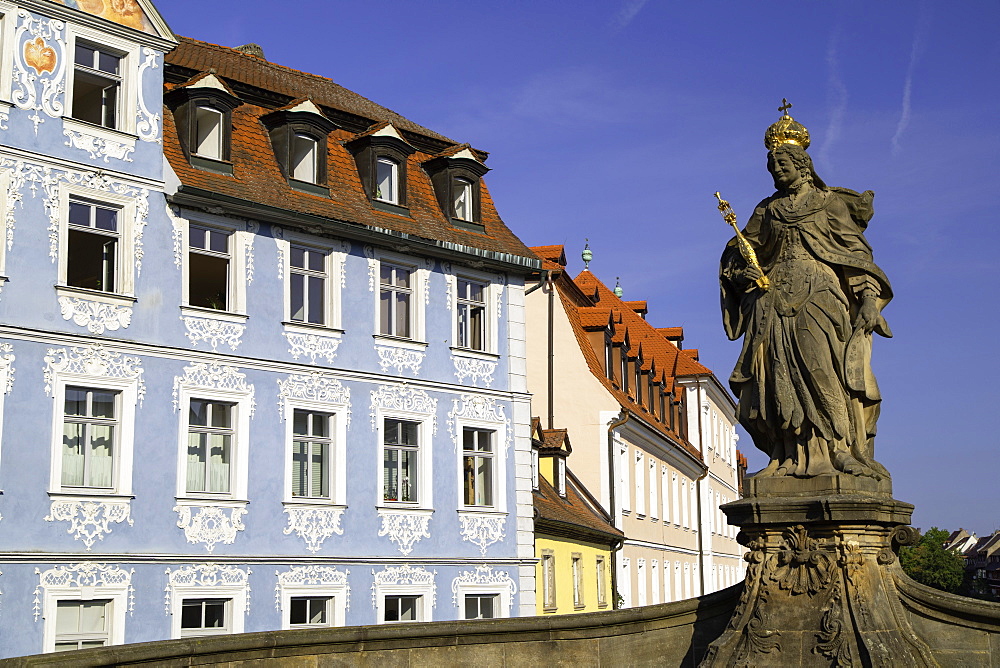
<point>302,344</point>
<point>482,530</point>
<point>404,527</point>
<point>89,521</point>
<point>391,357</point>
<point>96,316</point>
<point>210,525</point>
<point>213,332</point>
<point>314,525</point>
<point>472,370</point>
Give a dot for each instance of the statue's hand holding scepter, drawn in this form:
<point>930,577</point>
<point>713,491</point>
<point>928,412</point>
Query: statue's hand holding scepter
<point>746,250</point>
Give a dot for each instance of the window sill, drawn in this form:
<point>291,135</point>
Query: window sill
<point>214,314</point>
<point>474,354</point>
<point>414,508</point>
<point>99,131</point>
<point>95,295</point>
<point>482,510</point>
<point>198,501</point>
<point>302,502</point>
<point>311,328</point>
<point>83,494</point>
<point>310,188</point>
<point>213,165</point>
<point>389,207</point>
<point>468,225</point>
<point>398,342</point>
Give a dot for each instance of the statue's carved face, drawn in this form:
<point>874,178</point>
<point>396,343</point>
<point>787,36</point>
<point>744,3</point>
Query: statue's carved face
<point>784,170</point>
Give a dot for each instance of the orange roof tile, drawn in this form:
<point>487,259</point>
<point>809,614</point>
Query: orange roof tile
<point>572,512</point>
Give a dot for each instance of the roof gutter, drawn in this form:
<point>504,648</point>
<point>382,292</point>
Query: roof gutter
<point>198,197</point>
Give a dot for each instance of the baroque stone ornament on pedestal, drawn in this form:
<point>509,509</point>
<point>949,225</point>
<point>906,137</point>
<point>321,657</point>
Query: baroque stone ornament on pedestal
<point>823,532</point>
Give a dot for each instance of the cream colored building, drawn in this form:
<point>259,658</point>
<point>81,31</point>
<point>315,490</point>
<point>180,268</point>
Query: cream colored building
<point>653,432</point>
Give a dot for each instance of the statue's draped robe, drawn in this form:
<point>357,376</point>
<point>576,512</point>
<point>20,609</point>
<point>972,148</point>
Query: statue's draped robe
<point>804,382</point>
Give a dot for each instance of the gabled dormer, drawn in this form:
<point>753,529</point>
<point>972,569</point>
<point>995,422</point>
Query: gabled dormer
<point>381,154</point>
<point>299,135</point>
<point>553,451</point>
<point>203,112</point>
<point>456,175</point>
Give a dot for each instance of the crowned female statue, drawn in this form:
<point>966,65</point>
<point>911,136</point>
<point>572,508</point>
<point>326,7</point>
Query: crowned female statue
<point>806,391</point>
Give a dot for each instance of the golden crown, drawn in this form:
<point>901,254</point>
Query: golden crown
<point>786,130</point>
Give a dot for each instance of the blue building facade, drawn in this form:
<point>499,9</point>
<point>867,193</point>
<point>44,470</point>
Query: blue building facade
<point>261,348</point>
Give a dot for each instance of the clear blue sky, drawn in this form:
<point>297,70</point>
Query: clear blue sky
<point>616,120</point>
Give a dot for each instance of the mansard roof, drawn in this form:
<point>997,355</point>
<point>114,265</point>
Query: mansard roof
<point>257,187</point>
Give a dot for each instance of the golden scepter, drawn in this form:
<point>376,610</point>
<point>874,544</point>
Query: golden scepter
<point>746,250</point>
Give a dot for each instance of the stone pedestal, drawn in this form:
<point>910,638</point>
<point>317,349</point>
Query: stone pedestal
<point>819,588</point>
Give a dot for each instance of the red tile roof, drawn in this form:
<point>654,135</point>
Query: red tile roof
<point>571,515</point>
<point>257,178</point>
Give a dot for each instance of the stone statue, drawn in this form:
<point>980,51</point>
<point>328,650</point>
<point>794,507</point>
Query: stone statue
<point>806,391</point>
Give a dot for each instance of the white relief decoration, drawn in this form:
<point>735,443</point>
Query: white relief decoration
<point>482,530</point>
<point>314,386</point>
<point>483,576</point>
<point>17,170</point>
<point>206,575</point>
<point>279,240</point>
<point>89,520</point>
<point>178,227</point>
<point>147,124</point>
<point>390,357</point>
<point>345,248</point>
<point>94,360</point>
<point>476,370</point>
<point>99,147</point>
<point>301,344</point>
<point>372,268</point>
<point>94,315</point>
<point>404,527</point>
<point>210,524</point>
<point>314,525</point>
<point>404,575</point>
<point>213,332</point>
<point>450,285</point>
<point>86,574</point>
<point>474,407</point>
<point>312,576</point>
<point>7,365</point>
<point>4,117</point>
<point>501,282</point>
<point>403,398</point>
<point>213,376</point>
<point>253,227</point>
<point>40,46</point>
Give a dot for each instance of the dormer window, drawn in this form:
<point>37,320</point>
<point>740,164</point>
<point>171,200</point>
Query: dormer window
<point>457,183</point>
<point>299,137</point>
<point>203,114</point>
<point>381,154</point>
<point>387,180</point>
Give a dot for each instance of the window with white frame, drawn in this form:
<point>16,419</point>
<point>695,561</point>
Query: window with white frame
<point>461,191</point>
<point>312,454</point>
<point>471,314</point>
<point>561,476</point>
<point>481,606</point>
<point>209,267</point>
<point>576,566</point>
<point>640,484</point>
<point>654,502</point>
<point>654,571</point>
<point>534,468</point>
<point>307,285</point>
<point>387,180</point>
<point>312,596</point>
<point>401,461</point>
<point>310,612</point>
<point>91,433</point>
<point>303,158</point>
<point>93,243</point>
<point>625,493</point>
<point>641,583</point>
<point>665,494</point>
<point>211,436</point>
<point>83,624</point>
<point>548,580</point>
<point>209,133</point>
<point>602,592</point>
<point>396,299</point>
<point>402,608</point>
<point>205,617</point>
<point>478,466</point>
<point>97,84</point>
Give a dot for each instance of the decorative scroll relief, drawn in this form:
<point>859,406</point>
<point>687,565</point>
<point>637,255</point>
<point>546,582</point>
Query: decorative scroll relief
<point>482,530</point>
<point>210,524</point>
<point>96,316</point>
<point>341,260</point>
<point>89,520</point>
<point>147,124</point>
<point>403,398</point>
<point>278,233</point>
<point>450,285</point>
<point>178,226</point>
<point>483,576</point>
<point>372,268</point>
<point>39,66</point>
<point>4,117</point>
<point>86,574</point>
<point>305,344</point>
<point>316,387</point>
<point>15,170</point>
<point>405,575</point>
<point>253,227</point>
<point>7,367</point>
<point>99,147</point>
<point>474,369</point>
<point>312,576</point>
<point>213,376</point>
<point>390,357</point>
<point>213,332</point>
<point>93,360</point>
<point>501,282</point>
<point>404,527</point>
<point>475,407</point>
<point>205,575</point>
<point>314,524</point>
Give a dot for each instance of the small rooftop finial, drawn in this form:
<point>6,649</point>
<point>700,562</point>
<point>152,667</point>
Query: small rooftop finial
<point>785,106</point>
<point>587,255</point>
<point>618,287</point>
<point>252,49</point>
